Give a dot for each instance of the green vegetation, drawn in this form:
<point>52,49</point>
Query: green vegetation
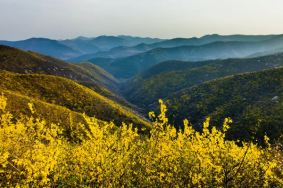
<point>66,119</point>
<point>60,126</point>
<point>252,100</point>
<point>87,74</point>
<point>19,61</point>
<point>143,91</point>
<point>66,93</point>
<point>104,92</point>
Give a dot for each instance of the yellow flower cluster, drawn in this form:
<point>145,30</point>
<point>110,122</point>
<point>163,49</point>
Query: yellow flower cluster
<point>34,154</point>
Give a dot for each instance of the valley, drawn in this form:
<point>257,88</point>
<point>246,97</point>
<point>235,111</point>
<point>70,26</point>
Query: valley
<point>103,92</point>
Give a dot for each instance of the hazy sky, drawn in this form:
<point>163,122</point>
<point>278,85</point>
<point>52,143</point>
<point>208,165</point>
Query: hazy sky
<point>61,19</point>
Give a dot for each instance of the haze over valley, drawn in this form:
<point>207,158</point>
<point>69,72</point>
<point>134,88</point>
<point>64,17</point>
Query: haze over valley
<point>141,94</point>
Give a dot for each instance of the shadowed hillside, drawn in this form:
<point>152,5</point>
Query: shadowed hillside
<point>144,90</point>
<point>252,100</point>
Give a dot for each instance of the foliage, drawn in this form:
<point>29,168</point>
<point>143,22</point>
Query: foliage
<point>146,88</point>
<point>252,100</point>
<point>68,94</point>
<point>66,119</point>
<point>34,154</point>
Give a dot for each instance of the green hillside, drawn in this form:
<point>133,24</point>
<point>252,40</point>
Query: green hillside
<point>18,105</point>
<point>252,100</point>
<point>19,61</point>
<point>144,92</point>
<point>66,93</point>
<point>166,66</point>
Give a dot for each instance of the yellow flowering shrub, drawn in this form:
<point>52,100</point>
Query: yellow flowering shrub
<point>33,154</point>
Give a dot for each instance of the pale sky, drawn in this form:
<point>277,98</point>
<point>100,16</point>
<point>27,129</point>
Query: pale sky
<point>62,19</point>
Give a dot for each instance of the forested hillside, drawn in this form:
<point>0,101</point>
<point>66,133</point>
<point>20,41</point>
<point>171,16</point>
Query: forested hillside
<point>252,100</point>
<point>150,86</point>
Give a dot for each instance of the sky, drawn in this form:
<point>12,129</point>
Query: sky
<point>66,19</point>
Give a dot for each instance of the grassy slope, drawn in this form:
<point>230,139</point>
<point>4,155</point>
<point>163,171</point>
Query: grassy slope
<point>162,85</point>
<point>246,98</point>
<point>17,104</point>
<point>66,93</point>
<point>19,61</point>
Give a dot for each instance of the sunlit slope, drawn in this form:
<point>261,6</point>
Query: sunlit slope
<point>106,93</point>
<point>146,92</point>
<point>69,94</point>
<point>18,105</point>
<point>19,61</point>
<point>99,75</point>
<point>252,100</point>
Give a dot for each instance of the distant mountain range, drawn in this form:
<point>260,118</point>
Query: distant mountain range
<point>45,46</point>
<point>114,47</point>
<point>66,49</point>
<point>123,51</point>
<point>264,53</point>
<point>83,46</point>
<point>125,68</point>
<point>130,39</point>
